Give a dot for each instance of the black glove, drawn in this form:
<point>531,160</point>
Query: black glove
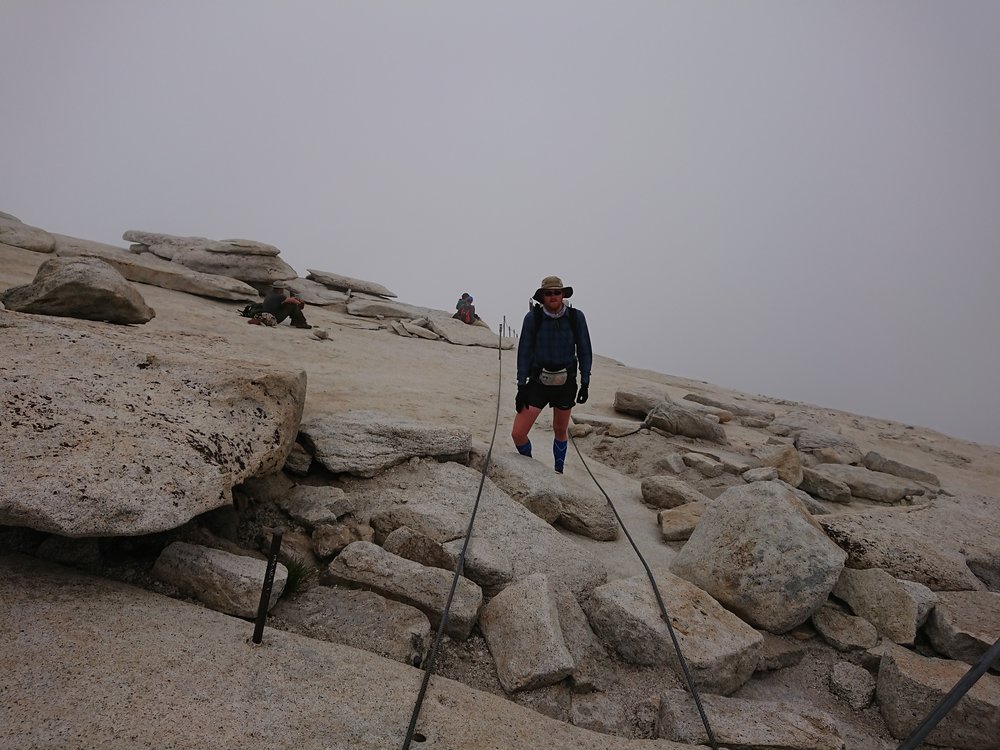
<point>521,399</point>
<point>583,394</point>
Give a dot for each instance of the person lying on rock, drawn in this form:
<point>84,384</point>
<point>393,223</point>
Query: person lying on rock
<point>281,305</point>
<point>554,344</point>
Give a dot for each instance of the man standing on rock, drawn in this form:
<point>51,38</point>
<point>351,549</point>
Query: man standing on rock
<point>281,306</point>
<point>554,345</point>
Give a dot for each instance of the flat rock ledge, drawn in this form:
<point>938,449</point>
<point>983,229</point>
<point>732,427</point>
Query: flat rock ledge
<point>365,443</point>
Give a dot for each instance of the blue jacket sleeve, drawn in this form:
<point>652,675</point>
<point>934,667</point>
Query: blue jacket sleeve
<point>584,353</point>
<point>526,348</point>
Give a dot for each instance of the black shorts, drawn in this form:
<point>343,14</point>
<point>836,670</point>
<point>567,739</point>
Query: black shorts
<point>559,396</point>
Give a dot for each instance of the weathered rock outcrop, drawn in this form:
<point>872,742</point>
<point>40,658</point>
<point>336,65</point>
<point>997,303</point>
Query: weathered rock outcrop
<point>926,544</point>
<point>362,619</point>
<point>671,418</point>
<point>16,233</point>
<point>720,649</point>
<point>435,499</point>
<point>521,627</point>
<point>456,332</point>
<point>556,498</point>
<point>85,288</point>
<point>246,260</point>
<point>116,431</point>
<point>896,608</point>
<point>147,268</point>
<point>365,443</point>
<point>775,725</point>
<point>366,565</point>
<point>871,485</point>
<point>661,491</point>
<point>221,580</point>
<point>965,624</point>
<point>347,284</point>
<point>910,687</point>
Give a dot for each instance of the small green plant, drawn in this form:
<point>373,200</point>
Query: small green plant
<point>299,575</point>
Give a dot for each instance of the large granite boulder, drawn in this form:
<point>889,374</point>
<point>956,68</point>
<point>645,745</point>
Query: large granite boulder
<point>85,288</point>
<point>116,431</point>
<point>896,608</point>
<point>757,550</point>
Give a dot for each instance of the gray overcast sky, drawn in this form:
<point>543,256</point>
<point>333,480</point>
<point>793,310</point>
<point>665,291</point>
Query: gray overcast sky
<point>795,199</point>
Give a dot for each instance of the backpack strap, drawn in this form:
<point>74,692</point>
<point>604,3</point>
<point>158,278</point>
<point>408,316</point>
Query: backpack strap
<point>574,324</point>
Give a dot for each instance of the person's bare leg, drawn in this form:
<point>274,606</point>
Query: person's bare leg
<point>560,423</point>
<point>523,423</point>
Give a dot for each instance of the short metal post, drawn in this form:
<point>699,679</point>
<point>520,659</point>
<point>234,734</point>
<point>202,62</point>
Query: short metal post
<point>265,592</point>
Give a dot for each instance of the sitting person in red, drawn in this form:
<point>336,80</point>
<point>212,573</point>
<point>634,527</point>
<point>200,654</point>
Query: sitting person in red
<point>281,305</point>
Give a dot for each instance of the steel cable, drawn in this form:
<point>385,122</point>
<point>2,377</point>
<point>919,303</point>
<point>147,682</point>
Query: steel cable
<point>659,601</point>
<point>432,656</point>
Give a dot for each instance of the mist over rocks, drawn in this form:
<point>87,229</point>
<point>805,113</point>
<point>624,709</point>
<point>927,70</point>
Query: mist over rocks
<point>387,443</point>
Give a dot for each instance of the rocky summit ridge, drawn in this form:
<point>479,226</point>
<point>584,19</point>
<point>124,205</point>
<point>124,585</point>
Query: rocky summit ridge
<point>829,576</point>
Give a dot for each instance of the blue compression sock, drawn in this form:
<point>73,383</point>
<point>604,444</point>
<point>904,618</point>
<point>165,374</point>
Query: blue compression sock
<point>559,451</point>
<point>524,450</point>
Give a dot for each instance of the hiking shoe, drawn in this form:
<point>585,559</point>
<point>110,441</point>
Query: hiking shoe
<point>301,325</point>
<point>559,467</point>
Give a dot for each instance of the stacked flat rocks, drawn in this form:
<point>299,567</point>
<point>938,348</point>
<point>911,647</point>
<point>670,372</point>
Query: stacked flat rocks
<point>246,260</point>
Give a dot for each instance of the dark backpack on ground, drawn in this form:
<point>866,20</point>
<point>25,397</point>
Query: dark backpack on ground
<point>252,310</point>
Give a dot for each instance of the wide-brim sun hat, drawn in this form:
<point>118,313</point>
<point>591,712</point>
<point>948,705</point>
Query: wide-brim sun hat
<point>552,282</point>
<point>279,284</point>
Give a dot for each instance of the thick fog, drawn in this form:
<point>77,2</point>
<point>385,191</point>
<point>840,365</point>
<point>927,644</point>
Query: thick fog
<point>795,199</point>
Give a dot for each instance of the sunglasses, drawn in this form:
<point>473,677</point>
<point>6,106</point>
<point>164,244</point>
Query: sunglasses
<point>552,293</point>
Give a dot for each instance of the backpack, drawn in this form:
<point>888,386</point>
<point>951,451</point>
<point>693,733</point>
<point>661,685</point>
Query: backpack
<point>465,313</point>
<point>252,310</point>
<point>536,311</point>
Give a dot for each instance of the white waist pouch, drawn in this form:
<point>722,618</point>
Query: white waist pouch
<point>553,377</point>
